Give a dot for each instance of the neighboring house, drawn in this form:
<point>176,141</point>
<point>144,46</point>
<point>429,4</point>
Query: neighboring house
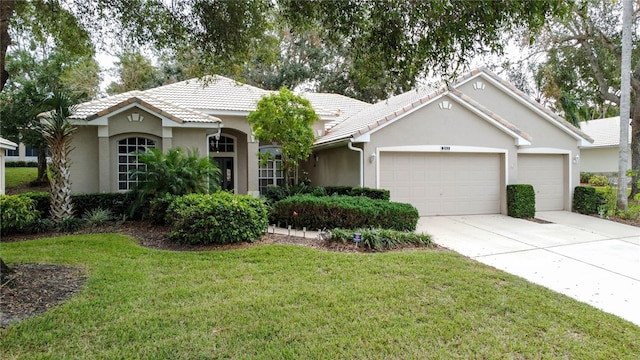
<point>446,151</point>
<point>602,156</point>
<point>22,153</point>
<point>4,146</point>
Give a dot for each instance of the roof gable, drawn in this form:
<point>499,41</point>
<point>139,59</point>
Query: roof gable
<point>527,101</point>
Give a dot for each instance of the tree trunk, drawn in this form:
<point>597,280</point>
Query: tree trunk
<point>42,166</point>
<point>4,271</point>
<point>6,10</point>
<point>625,104</point>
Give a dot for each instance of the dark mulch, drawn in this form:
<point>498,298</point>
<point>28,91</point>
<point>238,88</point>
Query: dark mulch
<point>34,288</point>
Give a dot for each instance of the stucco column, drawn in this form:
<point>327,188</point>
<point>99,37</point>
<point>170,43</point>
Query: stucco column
<point>104,160</point>
<point>167,139</point>
<point>252,168</point>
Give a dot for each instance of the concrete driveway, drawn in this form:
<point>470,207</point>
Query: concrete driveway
<point>589,259</point>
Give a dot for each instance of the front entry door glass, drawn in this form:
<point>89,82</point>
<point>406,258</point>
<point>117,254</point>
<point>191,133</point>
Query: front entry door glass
<point>225,164</point>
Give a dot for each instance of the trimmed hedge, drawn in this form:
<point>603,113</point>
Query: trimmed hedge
<point>586,200</point>
<point>13,164</point>
<point>381,238</point>
<point>17,214</point>
<point>277,193</point>
<point>343,212</point>
<point>521,201</point>
<point>219,218</point>
<point>117,203</point>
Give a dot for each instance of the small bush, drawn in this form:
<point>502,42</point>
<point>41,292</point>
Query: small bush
<point>158,209</point>
<point>97,216</point>
<point>598,180</point>
<point>219,218</point>
<point>586,200</point>
<point>381,238</point>
<point>376,194</point>
<point>521,201</point>
<point>338,190</point>
<point>117,203</point>
<point>343,212</point>
<point>584,177</point>
<point>70,224</point>
<point>40,226</point>
<point>42,201</point>
<point>17,213</point>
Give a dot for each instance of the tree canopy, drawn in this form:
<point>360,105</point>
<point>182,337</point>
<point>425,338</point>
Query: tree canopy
<point>285,119</point>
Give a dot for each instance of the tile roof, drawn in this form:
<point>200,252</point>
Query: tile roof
<point>338,107</point>
<point>604,132</point>
<point>101,107</point>
<point>378,114</point>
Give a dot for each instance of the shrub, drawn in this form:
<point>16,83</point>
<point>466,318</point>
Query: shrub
<point>40,226</point>
<point>158,209</point>
<point>586,200</point>
<point>381,238</point>
<point>21,164</point>
<point>97,216</point>
<point>521,201</point>
<point>584,177</point>
<point>70,224</point>
<point>376,194</point>
<point>338,190</point>
<point>219,218</point>
<point>344,212</point>
<point>116,203</point>
<point>42,201</point>
<point>598,180</point>
<point>17,213</point>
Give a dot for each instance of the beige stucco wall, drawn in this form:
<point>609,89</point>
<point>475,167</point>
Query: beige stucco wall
<point>600,160</point>
<point>432,126</point>
<point>335,166</point>
<point>2,171</point>
<point>84,160</point>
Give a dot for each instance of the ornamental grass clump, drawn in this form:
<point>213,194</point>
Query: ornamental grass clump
<point>219,218</point>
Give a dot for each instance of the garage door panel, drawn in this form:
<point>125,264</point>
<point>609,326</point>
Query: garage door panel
<point>546,173</point>
<point>443,184</point>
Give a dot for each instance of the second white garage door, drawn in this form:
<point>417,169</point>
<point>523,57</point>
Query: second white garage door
<point>443,184</point>
<point>546,173</point>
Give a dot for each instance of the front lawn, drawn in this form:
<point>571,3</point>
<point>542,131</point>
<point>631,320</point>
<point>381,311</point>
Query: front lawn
<point>293,302</point>
<point>15,176</point>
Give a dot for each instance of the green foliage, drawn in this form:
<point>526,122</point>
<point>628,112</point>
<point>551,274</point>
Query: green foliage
<point>70,224</point>
<point>598,180</point>
<point>118,204</point>
<point>42,201</point>
<point>21,164</point>
<point>338,190</point>
<point>219,218</point>
<point>135,72</point>
<point>521,201</point>
<point>17,213</point>
<point>584,177</point>
<point>174,173</point>
<point>586,200</point>
<point>286,120</point>
<point>610,200</point>
<point>343,212</point>
<point>40,226</point>
<point>376,194</point>
<point>380,239</point>
<point>97,216</point>
<point>158,209</point>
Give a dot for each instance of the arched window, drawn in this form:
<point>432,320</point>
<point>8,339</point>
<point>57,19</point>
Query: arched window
<point>128,159</point>
<point>270,172</point>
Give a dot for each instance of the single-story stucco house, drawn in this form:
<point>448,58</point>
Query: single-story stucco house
<point>602,156</point>
<point>446,151</point>
<point>4,146</point>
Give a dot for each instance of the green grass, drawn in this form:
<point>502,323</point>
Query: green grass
<point>292,302</point>
<point>19,175</point>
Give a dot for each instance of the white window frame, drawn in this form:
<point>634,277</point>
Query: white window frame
<point>271,172</point>
<point>132,159</point>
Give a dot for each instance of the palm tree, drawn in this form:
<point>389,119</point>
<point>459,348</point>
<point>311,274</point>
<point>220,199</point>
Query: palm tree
<point>58,133</point>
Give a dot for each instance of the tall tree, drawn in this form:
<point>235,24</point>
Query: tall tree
<point>585,62</point>
<point>135,72</point>
<point>58,133</point>
<point>286,120</point>
<point>625,97</point>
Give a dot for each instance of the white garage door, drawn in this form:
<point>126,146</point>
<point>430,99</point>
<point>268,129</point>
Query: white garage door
<point>443,184</point>
<point>546,174</point>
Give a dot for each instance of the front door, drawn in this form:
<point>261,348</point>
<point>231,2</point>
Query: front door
<point>225,164</point>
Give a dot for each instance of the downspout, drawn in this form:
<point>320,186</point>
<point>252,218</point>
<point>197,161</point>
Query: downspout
<point>351,147</point>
